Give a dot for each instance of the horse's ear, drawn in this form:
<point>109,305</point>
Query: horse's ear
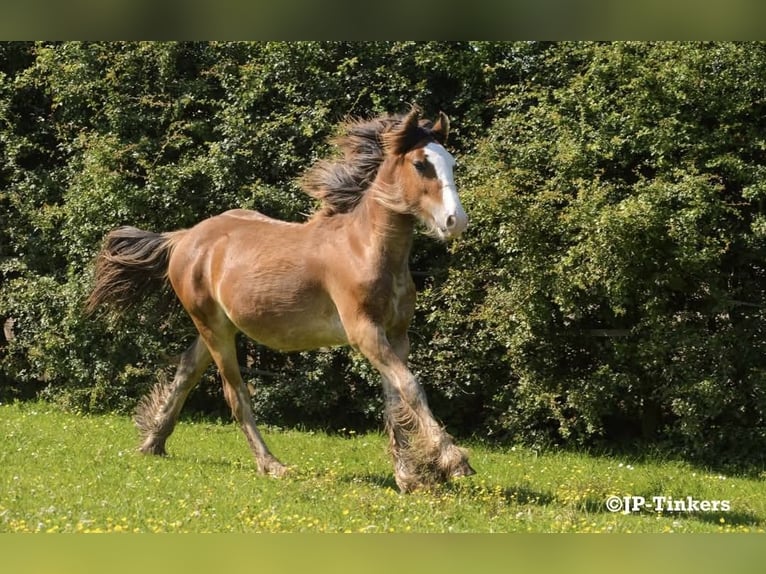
<point>402,137</point>
<point>440,130</point>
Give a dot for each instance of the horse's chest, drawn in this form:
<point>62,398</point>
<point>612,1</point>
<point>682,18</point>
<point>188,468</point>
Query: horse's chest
<point>391,300</point>
<point>402,296</point>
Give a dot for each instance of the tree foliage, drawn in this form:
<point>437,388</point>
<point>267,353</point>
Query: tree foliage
<point>610,287</point>
<point>624,182</point>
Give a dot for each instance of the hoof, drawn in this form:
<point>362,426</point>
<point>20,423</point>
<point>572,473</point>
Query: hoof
<point>273,468</point>
<point>426,476</point>
<point>407,485</point>
<point>278,471</point>
<point>463,469</point>
<point>153,449</point>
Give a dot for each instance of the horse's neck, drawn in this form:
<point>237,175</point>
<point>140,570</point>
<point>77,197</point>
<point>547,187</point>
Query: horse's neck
<point>389,232</point>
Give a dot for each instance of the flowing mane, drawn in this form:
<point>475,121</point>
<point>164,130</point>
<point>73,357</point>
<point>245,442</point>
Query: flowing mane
<point>340,183</point>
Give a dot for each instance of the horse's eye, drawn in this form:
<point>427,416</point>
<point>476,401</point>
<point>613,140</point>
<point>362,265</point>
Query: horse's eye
<point>419,165</point>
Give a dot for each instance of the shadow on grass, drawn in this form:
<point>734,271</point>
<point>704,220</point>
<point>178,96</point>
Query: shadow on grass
<point>518,495</point>
<point>210,461</point>
<point>378,480</point>
<point>464,487</point>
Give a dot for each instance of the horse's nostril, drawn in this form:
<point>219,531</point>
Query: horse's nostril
<point>451,221</point>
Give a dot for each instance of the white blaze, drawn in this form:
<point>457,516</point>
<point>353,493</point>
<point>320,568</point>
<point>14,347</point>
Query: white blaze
<point>449,217</point>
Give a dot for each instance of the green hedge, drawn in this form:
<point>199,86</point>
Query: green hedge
<point>608,291</point>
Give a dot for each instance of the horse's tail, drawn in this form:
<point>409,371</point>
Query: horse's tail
<point>131,264</point>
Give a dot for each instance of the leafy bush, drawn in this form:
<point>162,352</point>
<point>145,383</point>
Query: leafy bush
<point>626,271</point>
<point>609,289</point>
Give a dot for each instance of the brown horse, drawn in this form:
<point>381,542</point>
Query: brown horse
<point>340,278</point>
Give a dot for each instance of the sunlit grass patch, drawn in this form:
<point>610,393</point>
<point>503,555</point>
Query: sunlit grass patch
<point>66,473</point>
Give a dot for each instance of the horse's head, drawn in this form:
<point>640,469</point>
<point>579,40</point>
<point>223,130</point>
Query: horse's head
<point>424,173</point>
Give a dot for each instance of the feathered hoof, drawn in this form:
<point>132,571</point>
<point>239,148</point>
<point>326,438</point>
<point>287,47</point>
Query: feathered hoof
<point>463,469</point>
<point>408,483</point>
<point>272,467</point>
<point>454,463</point>
<point>411,475</point>
<point>153,449</point>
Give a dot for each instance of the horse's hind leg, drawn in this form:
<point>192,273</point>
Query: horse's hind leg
<point>158,412</point>
<point>224,354</point>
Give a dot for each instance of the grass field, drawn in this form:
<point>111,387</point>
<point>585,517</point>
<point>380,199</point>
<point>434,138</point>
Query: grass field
<point>66,473</point>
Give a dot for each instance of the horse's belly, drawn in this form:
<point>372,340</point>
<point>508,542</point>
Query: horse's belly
<point>300,335</point>
<point>307,325</point>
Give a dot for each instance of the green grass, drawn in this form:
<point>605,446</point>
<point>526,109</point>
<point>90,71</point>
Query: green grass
<point>66,473</point>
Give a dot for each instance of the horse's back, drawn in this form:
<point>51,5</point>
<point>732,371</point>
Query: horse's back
<point>252,215</point>
<point>239,226</point>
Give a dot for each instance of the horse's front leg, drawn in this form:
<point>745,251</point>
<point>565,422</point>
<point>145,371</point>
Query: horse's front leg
<point>406,470</point>
<point>423,452</point>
